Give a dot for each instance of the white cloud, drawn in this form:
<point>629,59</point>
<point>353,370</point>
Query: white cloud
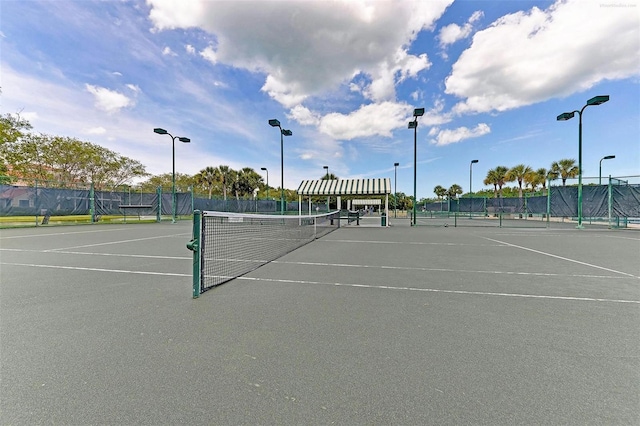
<point>304,116</point>
<point>451,33</point>
<point>369,120</point>
<point>134,88</point>
<point>529,57</point>
<point>209,54</point>
<point>190,49</point>
<point>168,52</point>
<point>446,137</point>
<point>96,131</point>
<point>315,45</point>
<point>108,100</point>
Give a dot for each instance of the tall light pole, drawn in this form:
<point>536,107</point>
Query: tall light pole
<point>265,169</point>
<point>470,186</point>
<point>395,190</point>
<point>283,132</point>
<point>608,157</point>
<point>327,169</point>
<point>418,112</point>
<point>596,100</point>
<point>160,131</point>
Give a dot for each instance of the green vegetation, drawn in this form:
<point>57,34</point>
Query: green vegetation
<point>26,156</point>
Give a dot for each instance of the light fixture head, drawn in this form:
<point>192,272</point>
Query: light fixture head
<point>597,100</point>
<point>160,131</point>
<point>566,116</point>
<point>418,112</point>
<point>396,164</point>
<point>263,168</point>
<point>609,157</point>
<point>286,132</point>
<point>474,161</point>
<point>185,140</point>
<point>413,124</point>
<point>274,123</point>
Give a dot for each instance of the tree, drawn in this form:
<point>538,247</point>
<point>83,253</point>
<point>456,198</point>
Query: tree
<point>12,128</point>
<point>518,173</point>
<point>208,177</point>
<point>453,191</point>
<point>440,191</point>
<point>247,181</point>
<point>68,160</point>
<point>227,179</point>
<point>565,168</point>
<point>331,177</point>
<point>497,178</point>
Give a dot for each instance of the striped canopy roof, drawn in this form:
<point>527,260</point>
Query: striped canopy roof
<point>345,187</point>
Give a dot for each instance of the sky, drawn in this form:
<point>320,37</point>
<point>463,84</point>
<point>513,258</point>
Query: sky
<point>343,76</point>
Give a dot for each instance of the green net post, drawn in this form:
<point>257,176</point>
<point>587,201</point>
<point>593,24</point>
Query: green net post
<point>159,196</point>
<point>92,206</point>
<point>194,246</point>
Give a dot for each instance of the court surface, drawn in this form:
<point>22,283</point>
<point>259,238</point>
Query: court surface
<point>368,325</point>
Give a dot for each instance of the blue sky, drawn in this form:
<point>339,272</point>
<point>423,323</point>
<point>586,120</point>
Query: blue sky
<point>344,77</point>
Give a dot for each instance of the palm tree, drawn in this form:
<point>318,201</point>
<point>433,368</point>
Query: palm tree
<point>208,177</point>
<point>225,176</point>
<point>565,168</point>
<point>453,191</point>
<point>518,173</point>
<point>440,191</point>
<point>497,178</point>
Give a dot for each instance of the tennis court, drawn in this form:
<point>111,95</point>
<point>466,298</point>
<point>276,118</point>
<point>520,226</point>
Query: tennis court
<point>366,325</point>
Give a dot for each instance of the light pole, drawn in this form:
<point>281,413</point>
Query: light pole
<point>265,169</point>
<point>608,157</point>
<point>283,132</point>
<point>395,190</point>
<point>596,100</point>
<point>160,131</point>
<point>418,112</point>
<point>470,186</point>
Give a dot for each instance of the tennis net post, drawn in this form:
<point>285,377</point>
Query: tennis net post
<point>194,246</point>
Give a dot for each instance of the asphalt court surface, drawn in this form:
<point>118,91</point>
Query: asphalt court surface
<point>367,325</point>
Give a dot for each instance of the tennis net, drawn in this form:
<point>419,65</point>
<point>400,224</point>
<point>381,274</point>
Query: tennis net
<point>228,245</point>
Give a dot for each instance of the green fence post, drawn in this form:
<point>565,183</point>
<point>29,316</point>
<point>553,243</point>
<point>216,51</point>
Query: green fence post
<point>92,210</point>
<point>35,201</point>
<point>548,200</point>
<point>194,246</point>
<point>159,212</point>
<point>609,200</point>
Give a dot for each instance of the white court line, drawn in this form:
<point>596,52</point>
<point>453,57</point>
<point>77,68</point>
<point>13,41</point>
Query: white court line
<point>84,253</point>
<point>61,233</point>
<point>382,287</point>
<point>115,242</point>
<point>79,268</point>
<point>417,268</point>
<point>561,257</point>
<point>435,290</point>
<point>331,265</point>
<point>414,243</point>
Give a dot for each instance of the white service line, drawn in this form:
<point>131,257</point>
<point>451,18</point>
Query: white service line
<point>79,268</point>
<point>61,233</point>
<point>435,290</point>
<point>116,242</point>
<point>417,268</point>
<point>562,258</point>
